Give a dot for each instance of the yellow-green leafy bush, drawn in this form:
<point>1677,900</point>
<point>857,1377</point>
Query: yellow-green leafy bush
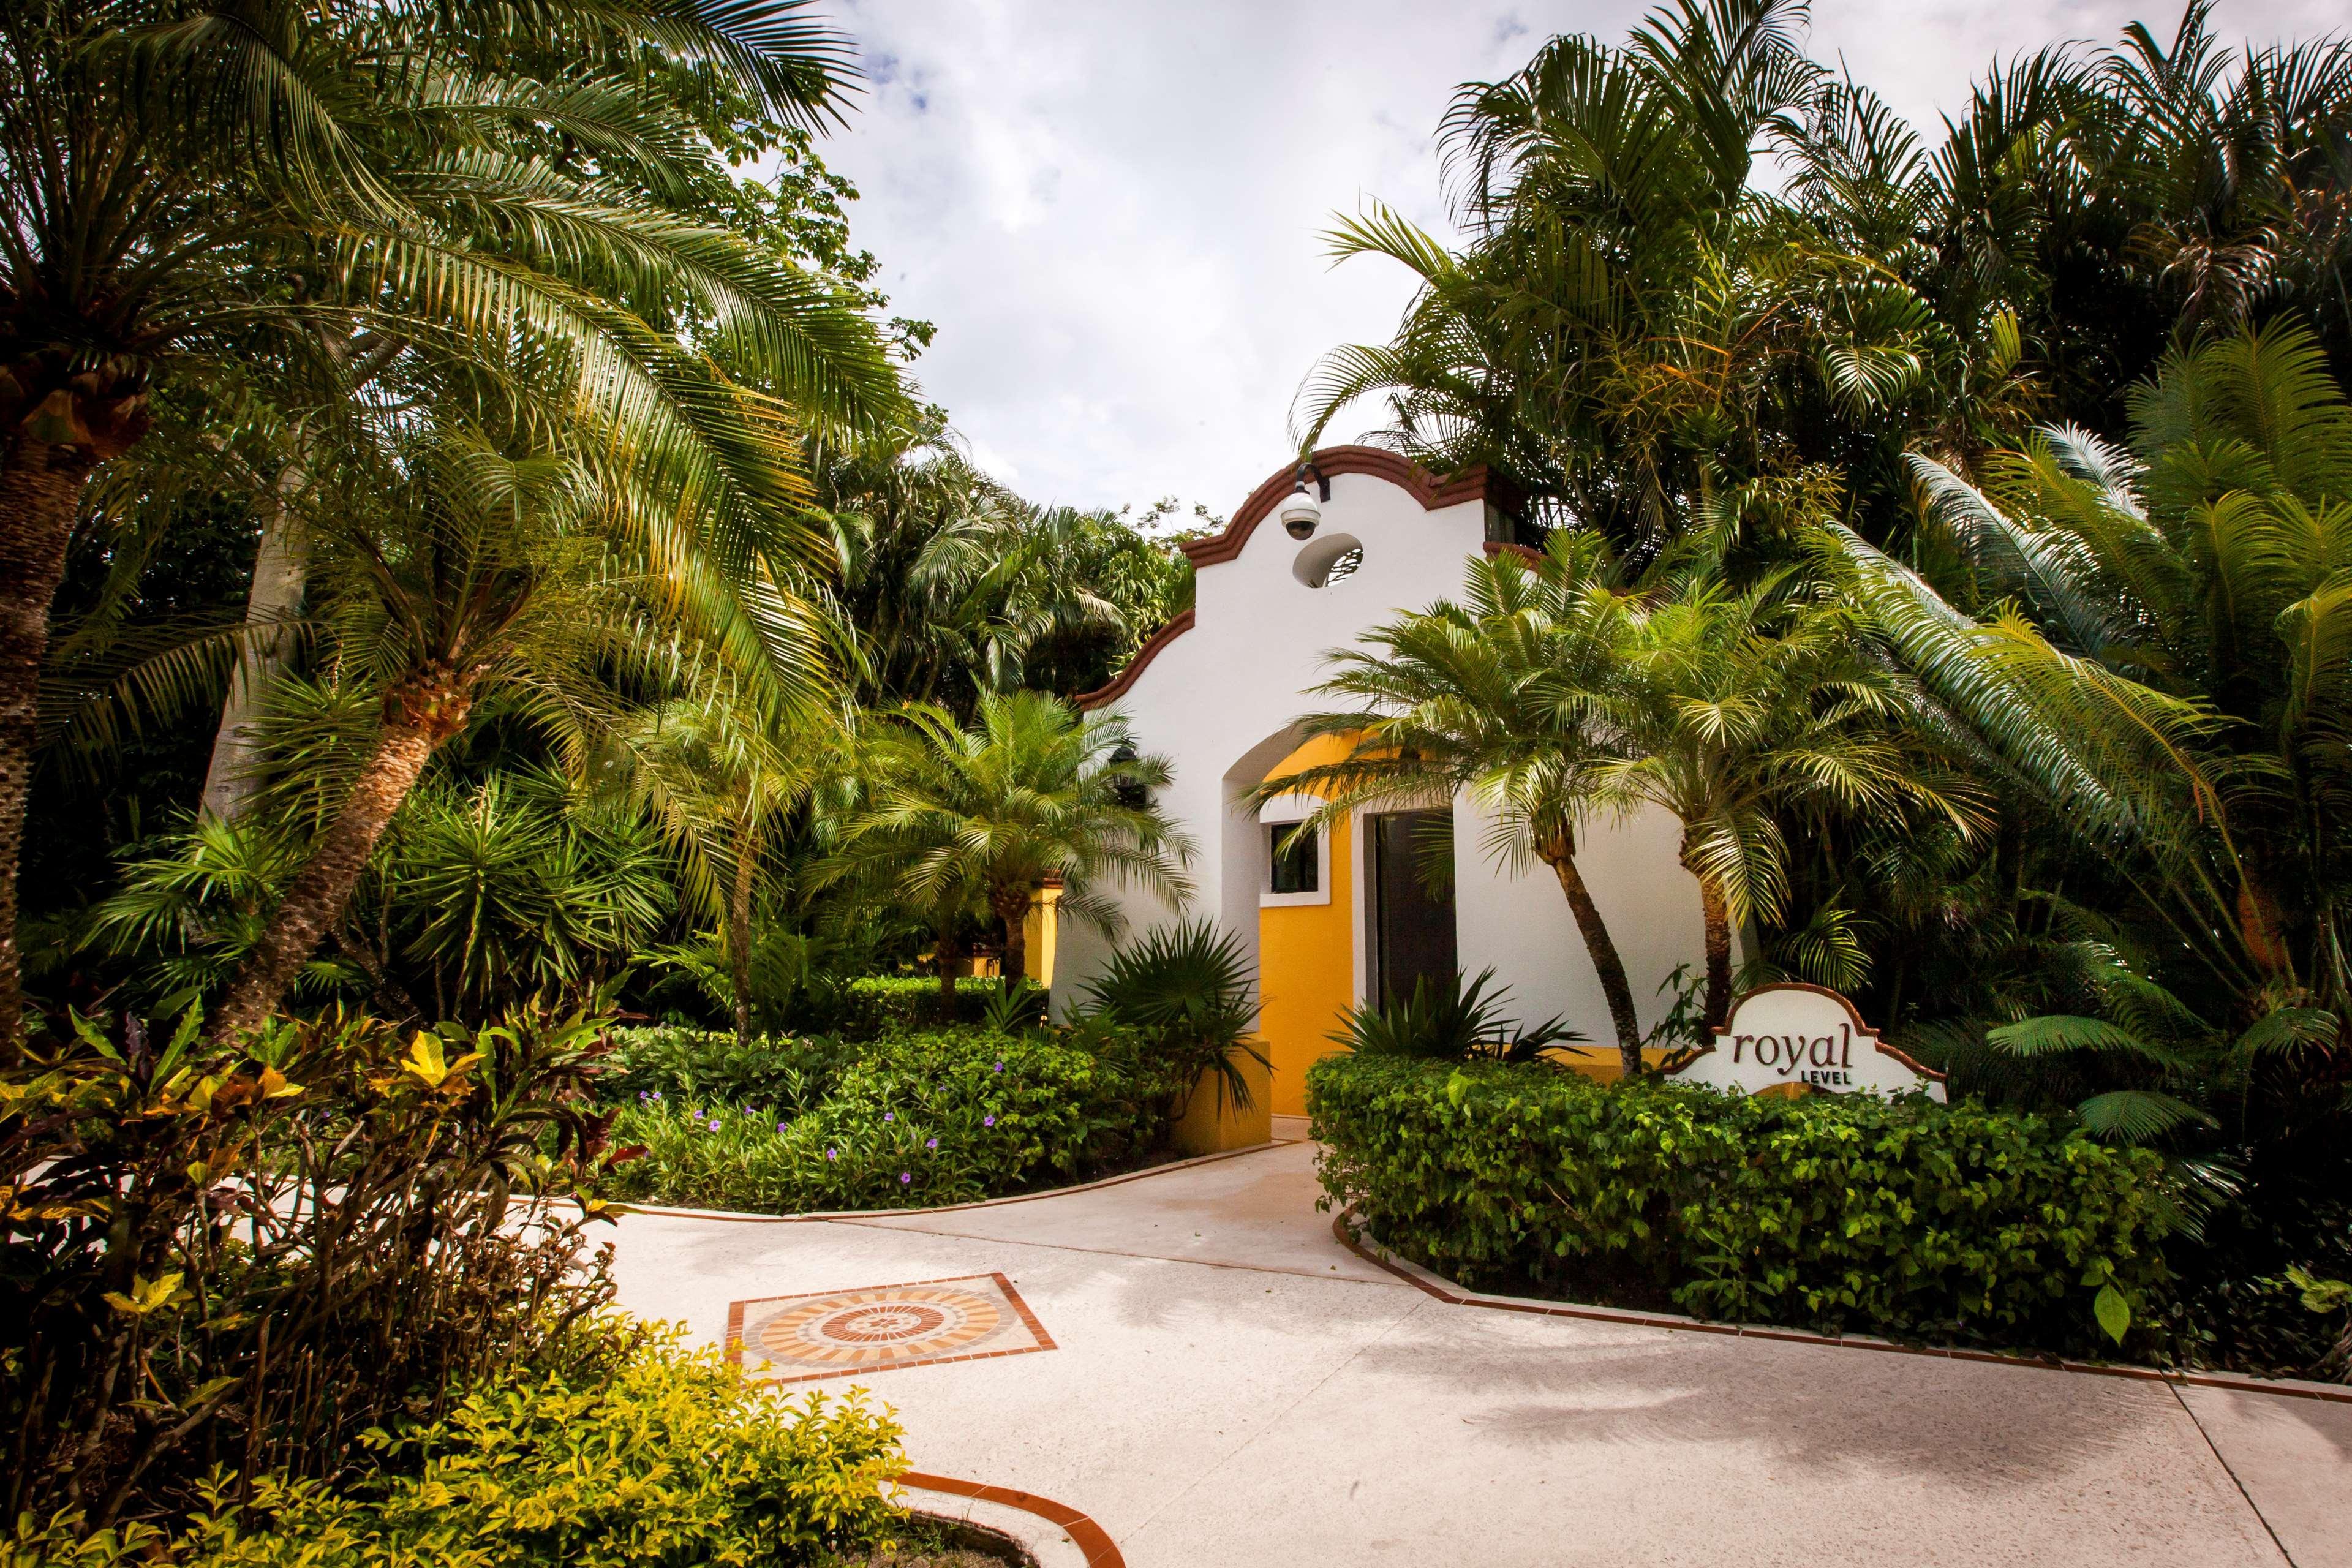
<point>665,1458</point>
<point>1840,1212</point>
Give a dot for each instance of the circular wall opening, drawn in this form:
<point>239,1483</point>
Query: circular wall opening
<point>1331,559</point>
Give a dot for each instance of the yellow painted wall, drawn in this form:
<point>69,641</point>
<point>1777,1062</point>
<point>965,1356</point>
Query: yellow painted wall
<point>1215,1122</point>
<point>1307,957</point>
<point>1039,932</point>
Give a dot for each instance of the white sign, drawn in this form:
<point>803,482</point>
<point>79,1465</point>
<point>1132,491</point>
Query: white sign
<point>1793,1033</point>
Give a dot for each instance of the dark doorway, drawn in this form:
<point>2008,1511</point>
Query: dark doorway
<point>1412,900</point>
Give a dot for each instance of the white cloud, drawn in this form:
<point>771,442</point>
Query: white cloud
<point>1112,211</point>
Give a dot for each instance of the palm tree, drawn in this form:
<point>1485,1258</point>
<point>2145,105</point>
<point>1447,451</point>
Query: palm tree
<point>1504,695</point>
<point>724,781</point>
<point>2166,663</point>
<point>469,557</point>
<point>1629,311</point>
<point>182,181</point>
<point>985,816</point>
<point>1734,709</point>
<point>955,585</point>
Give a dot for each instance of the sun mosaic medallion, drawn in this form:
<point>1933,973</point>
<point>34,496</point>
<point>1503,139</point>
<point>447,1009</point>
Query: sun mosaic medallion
<point>834,1334</point>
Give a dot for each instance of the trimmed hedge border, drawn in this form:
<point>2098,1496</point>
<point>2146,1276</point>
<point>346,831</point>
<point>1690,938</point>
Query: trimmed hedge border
<point>912,1120</point>
<point>1830,1213</point>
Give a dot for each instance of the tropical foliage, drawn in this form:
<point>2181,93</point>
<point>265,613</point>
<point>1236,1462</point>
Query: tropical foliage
<point>1944,530</point>
<point>474,558</point>
<point>981,819</point>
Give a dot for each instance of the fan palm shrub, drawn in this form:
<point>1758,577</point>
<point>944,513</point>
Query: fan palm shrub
<point>1454,1020</point>
<point>982,816</point>
<point>2163,656</point>
<point>1186,992</point>
<point>478,894</point>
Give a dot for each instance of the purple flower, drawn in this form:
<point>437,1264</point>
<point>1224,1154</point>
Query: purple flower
<point>890,1116</point>
<point>658,1094</point>
<point>781,1125</point>
<point>905,1177</point>
<point>833,1153</point>
<point>643,1095</point>
<point>714,1124</point>
<point>930,1142</point>
<point>1000,1067</point>
<point>988,1121</point>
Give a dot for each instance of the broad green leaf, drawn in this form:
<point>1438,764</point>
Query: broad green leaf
<point>2115,1313</point>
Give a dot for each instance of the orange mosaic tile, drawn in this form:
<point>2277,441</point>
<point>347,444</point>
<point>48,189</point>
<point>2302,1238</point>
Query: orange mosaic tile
<point>880,1328</point>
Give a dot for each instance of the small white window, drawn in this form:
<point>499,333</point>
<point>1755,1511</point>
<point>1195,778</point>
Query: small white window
<point>1297,856</point>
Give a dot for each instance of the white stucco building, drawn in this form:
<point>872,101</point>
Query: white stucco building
<point>1218,692</point>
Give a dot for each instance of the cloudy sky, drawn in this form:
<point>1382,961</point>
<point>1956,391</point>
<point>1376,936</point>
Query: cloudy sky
<point>1112,211</point>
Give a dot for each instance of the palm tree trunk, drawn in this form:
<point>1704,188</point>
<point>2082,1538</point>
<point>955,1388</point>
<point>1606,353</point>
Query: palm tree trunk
<point>1013,910</point>
<point>1717,910</point>
<point>280,572</point>
<point>739,941</point>
<point>40,487</point>
<point>1606,964</point>
<point>949,952</point>
<point>418,717</point>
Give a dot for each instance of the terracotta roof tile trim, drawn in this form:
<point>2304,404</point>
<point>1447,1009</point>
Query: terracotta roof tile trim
<point>1428,489</point>
<point>1101,695</point>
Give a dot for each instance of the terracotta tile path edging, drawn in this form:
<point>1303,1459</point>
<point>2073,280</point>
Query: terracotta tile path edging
<point>1083,1532</point>
<point>1431,1283</point>
<point>815,1216</point>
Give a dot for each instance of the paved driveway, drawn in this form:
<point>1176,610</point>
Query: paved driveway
<point>1193,1361</point>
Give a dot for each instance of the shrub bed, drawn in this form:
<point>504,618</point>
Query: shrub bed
<point>662,1458</point>
<point>945,1116</point>
<point>1835,1212</point>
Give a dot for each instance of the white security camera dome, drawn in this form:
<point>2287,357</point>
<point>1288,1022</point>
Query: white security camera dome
<point>1300,513</point>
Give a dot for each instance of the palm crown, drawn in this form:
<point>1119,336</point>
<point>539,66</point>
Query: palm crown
<point>983,818</point>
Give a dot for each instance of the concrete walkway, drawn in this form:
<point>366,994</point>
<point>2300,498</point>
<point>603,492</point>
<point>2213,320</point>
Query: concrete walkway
<point>1229,1385</point>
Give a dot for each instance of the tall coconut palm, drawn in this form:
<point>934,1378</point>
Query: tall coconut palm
<point>987,815</point>
<point>2165,658</point>
<point>1504,695</point>
<point>471,556</point>
<point>182,181</point>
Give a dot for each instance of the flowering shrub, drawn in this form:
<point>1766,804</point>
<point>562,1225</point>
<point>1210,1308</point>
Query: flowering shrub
<point>1840,1212</point>
<point>915,1119</point>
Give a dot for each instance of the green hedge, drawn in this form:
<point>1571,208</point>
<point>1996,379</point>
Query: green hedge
<point>712,1066</point>
<point>1837,1212</point>
<point>664,1460</point>
<point>874,1005</point>
<point>943,1117</point>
